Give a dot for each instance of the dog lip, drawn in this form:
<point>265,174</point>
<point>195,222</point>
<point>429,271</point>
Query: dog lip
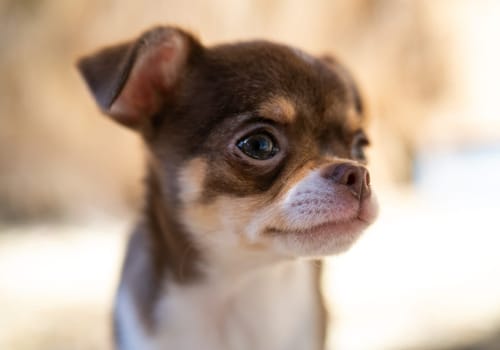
<point>366,214</point>
<point>320,227</point>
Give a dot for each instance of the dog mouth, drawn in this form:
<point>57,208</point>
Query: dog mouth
<point>330,228</point>
<point>351,225</point>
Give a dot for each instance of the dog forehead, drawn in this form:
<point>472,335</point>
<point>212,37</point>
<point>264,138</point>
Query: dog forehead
<point>261,75</point>
<point>260,68</point>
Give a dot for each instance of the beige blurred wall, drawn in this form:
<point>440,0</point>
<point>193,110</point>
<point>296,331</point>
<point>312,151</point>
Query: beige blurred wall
<point>59,157</point>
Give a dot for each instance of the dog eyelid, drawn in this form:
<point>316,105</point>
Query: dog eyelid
<point>255,119</point>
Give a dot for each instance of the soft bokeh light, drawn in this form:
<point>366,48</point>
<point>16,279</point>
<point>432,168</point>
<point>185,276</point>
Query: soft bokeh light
<point>425,276</point>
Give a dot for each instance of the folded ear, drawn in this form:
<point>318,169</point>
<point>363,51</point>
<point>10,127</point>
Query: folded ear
<point>131,81</point>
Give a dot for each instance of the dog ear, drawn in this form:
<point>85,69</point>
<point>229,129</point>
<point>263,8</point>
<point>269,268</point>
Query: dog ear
<point>131,81</point>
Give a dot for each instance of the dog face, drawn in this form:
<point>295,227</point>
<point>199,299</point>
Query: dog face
<point>259,147</point>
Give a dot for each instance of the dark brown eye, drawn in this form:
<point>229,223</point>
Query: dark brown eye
<point>359,143</point>
<point>261,146</point>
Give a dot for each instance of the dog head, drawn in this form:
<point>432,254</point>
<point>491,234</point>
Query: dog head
<point>258,146</point>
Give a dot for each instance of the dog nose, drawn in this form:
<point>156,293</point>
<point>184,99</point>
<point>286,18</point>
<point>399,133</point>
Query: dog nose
<point>354,177</point>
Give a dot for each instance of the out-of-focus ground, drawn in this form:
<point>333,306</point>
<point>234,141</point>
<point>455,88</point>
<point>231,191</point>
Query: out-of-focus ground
<point>425,276</point>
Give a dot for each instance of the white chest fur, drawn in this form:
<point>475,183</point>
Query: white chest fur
<point>273,308</point>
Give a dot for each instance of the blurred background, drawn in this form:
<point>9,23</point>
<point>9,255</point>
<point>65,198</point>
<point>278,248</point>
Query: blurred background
<point>425,276</point>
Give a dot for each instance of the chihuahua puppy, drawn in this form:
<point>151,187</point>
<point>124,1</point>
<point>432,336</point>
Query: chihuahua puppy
<point>255,170</point>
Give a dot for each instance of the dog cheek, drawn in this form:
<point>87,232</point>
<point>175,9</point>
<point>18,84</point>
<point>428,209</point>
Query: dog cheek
<point>198,217</point>
<point>223,222</point>
<point>191,180</point>
<point>200,220</point>
<point>238,218</point>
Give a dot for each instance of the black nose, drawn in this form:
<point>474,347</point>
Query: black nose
<point>354,177</point>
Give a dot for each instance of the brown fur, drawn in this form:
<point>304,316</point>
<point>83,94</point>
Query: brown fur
<point>191,112</point>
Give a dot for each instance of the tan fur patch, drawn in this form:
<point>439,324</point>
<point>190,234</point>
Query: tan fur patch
<point>353,121</point>
<point>191,178</point>
<point>222,229</point>
<point>279,109</point>
<point>198,217</point>
<point>225,215</point>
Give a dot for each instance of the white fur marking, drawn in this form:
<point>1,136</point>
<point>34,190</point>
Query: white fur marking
<point>267,309</point>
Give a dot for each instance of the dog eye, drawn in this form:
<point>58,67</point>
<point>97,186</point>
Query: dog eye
<point>359,142</point>
<point>259,146</point>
